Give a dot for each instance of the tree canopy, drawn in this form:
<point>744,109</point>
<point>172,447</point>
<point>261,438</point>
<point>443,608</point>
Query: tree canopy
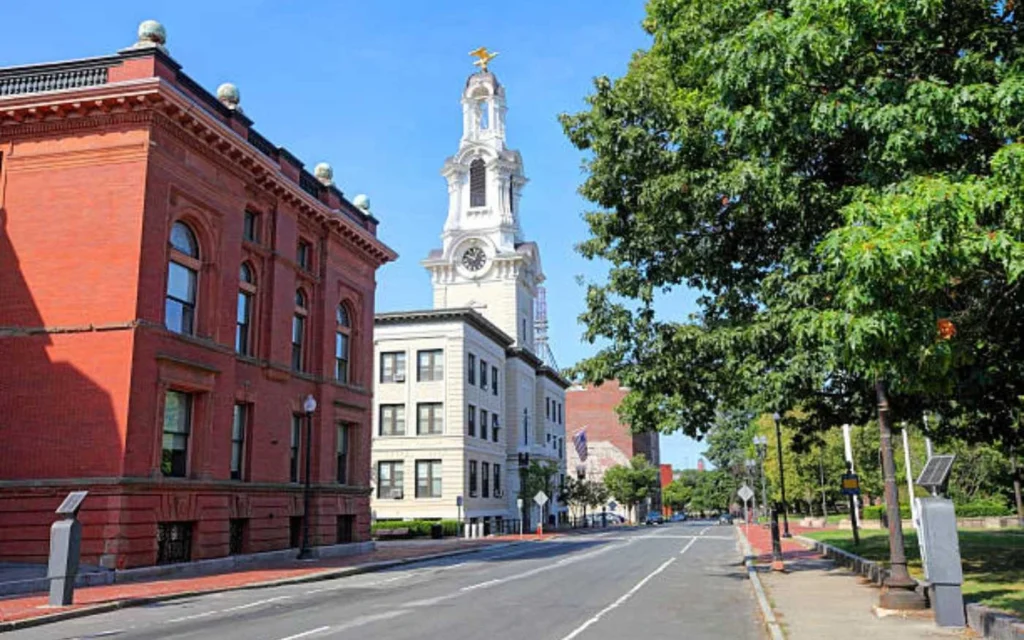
<point>631,484</point>
<point>841,180</point>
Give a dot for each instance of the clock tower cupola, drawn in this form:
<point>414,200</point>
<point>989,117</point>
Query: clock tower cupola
<point>484,262</point>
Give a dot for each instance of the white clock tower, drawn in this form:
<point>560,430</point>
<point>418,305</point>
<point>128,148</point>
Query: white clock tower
<point>484,263</point>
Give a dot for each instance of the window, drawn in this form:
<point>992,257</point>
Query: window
<point>251,226</point>
<point>483,374</point>
<point>173,542</point>
<point>485,479</point>
<point>471,420</point>
<point>304,255</point>
<point>429,419</point>
<point>239,425</point>
<point>428,478</point>
<point>477,183</point>
<point>341,454</point>
<point>430,366</point>
<point>236,535</point>
<point>494,427</point>
<point>182,277</point>
<point>346,529</point>
<point>471,369</point>
<point>511,197</point>
<point>293,451</point>
<point>497,481</point>
<point>547,408</point>
<point>485,120</point>
<point>472,478</point>
<point>243,320</point>
<point>342,338</point>
<point>392,366</point>
<point>392,419</point>
<point>177,427</point>
<point>483,423</point>
<point>559,413</point>
<point>494,380</point>
<point>299,331</point>
<point>389,480</point>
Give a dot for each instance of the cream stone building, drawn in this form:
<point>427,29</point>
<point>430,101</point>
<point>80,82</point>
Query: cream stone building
<point>461,398</point>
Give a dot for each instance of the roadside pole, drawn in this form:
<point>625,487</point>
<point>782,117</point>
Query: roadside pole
<point>914,515</point>
<point>855,499</point>
<point>519,505</point>
<point>851,487</point>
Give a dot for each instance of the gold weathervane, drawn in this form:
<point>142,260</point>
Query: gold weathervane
<point>483,57</point>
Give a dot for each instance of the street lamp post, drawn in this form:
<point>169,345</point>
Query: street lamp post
<point>309,406</point>
<point>751,465</point>
<point>524,463</point>
<point>761,445</point>
<point>782,475</point>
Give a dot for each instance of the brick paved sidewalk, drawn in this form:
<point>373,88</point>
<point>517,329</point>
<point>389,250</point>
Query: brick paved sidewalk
<point>101,598</point>
<point>760,538</point>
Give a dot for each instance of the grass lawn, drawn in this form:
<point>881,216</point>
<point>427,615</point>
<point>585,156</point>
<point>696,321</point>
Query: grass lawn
<point>993,561</point>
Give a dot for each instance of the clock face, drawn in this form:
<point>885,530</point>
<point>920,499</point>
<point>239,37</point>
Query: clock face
<point>474,258</point>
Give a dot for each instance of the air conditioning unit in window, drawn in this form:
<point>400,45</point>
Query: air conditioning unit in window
<point>399,377</point>
<point>395,494</point>
<point>498,493</point>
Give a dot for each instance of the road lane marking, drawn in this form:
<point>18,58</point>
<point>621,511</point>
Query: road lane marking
<point>306,633</point>
<point>687,546</point>
<point>626,596</point>
<point>191,617</point>
<point>254,604</point>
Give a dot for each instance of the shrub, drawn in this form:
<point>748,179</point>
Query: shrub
<point>874,512</point>
<point>417,528</point>
<point>982,508</point>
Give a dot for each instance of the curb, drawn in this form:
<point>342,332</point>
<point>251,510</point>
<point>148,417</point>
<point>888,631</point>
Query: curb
<point>329,574</point>
<point>774,629</point>
<point>988,622</point>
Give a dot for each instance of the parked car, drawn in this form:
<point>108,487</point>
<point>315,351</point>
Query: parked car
<point>655,517</point>
<point>725,518</point>
<point>678,517</point>
<point>599,519</point>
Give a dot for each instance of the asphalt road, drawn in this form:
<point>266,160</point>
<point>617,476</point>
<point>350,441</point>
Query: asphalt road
<point>674,581</point>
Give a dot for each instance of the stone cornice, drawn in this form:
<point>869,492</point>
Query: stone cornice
<point>32,114</point>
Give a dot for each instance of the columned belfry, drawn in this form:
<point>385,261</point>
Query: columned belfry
<point>484,263</point>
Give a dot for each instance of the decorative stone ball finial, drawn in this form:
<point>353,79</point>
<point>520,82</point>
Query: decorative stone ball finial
<point>229,95</point>
<point>324,173</point>
<point>362,201</point>
<point>152,33</point>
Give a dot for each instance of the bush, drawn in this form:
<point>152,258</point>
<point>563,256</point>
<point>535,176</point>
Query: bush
<point>417,528</point>
<point>983,508</point>
<point>874,512</point>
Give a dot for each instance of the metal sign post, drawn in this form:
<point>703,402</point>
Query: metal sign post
<point>541,499</point>
<point>458,504</point>
<point>851,488</point>
<point>519,506</point>
<point>746,493</point>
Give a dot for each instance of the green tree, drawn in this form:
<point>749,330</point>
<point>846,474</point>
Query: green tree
<point>631,484</point>
<point>677,495</point>
<point>597,495</point>
<point>714,491</point>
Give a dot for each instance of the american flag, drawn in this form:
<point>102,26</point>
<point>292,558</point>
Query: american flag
<point>580,442</point>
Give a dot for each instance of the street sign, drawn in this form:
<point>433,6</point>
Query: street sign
<point>851,484</point>
<point>541,499</point>
<point>458,501</point>
<point>612,505</point>
<point>745,493</point>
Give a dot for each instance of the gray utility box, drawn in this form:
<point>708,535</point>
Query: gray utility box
<point>940,553</point>
<point>65,546</point>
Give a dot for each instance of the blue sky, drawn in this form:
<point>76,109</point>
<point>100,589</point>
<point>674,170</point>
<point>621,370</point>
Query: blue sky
<point>373,88</point>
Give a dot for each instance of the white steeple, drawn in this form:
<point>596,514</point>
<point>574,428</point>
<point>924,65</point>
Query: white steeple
<point>484,262</point>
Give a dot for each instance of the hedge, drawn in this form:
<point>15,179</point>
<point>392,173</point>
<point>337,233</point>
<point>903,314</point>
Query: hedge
<point>976,509</point>
<point>417,528</point>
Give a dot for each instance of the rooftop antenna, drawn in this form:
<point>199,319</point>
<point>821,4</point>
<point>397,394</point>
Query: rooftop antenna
<point>540,329</point>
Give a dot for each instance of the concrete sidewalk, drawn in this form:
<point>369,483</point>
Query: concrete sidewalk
<point>814,599</point>
<point>24,611</point>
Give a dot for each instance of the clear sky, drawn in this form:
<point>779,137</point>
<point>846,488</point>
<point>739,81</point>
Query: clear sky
<point>373,88</point>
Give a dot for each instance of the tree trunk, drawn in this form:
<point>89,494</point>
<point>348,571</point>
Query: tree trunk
<point>899,578</point>
<point>1016,487</point>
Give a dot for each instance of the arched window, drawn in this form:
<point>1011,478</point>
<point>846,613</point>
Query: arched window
<point>485,115</point>
<point>182,280</point>
<point>342,340</point>
<point>299,331</point>
<point>243,321</point>
<point>511,197</point>
<point>477,183</point>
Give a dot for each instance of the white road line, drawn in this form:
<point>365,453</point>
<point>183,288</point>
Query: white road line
<point>626,596</point>
<point>364,620</point>
<point>191,617</point>
<point>687,546</point>
<point>306,633</point>
<point>254,604</point>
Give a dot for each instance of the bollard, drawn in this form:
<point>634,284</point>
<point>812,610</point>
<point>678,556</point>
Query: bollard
<point>777,561</point>
<point>65,545</point>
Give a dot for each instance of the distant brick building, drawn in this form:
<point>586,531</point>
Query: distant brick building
<point>172,286</point>
<point>666,477</point>
<point>609,442</point>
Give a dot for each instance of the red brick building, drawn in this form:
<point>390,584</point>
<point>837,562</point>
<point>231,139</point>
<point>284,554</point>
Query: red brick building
<point>172,286</point>
<point>609,442</point>
<point>665,476</point>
